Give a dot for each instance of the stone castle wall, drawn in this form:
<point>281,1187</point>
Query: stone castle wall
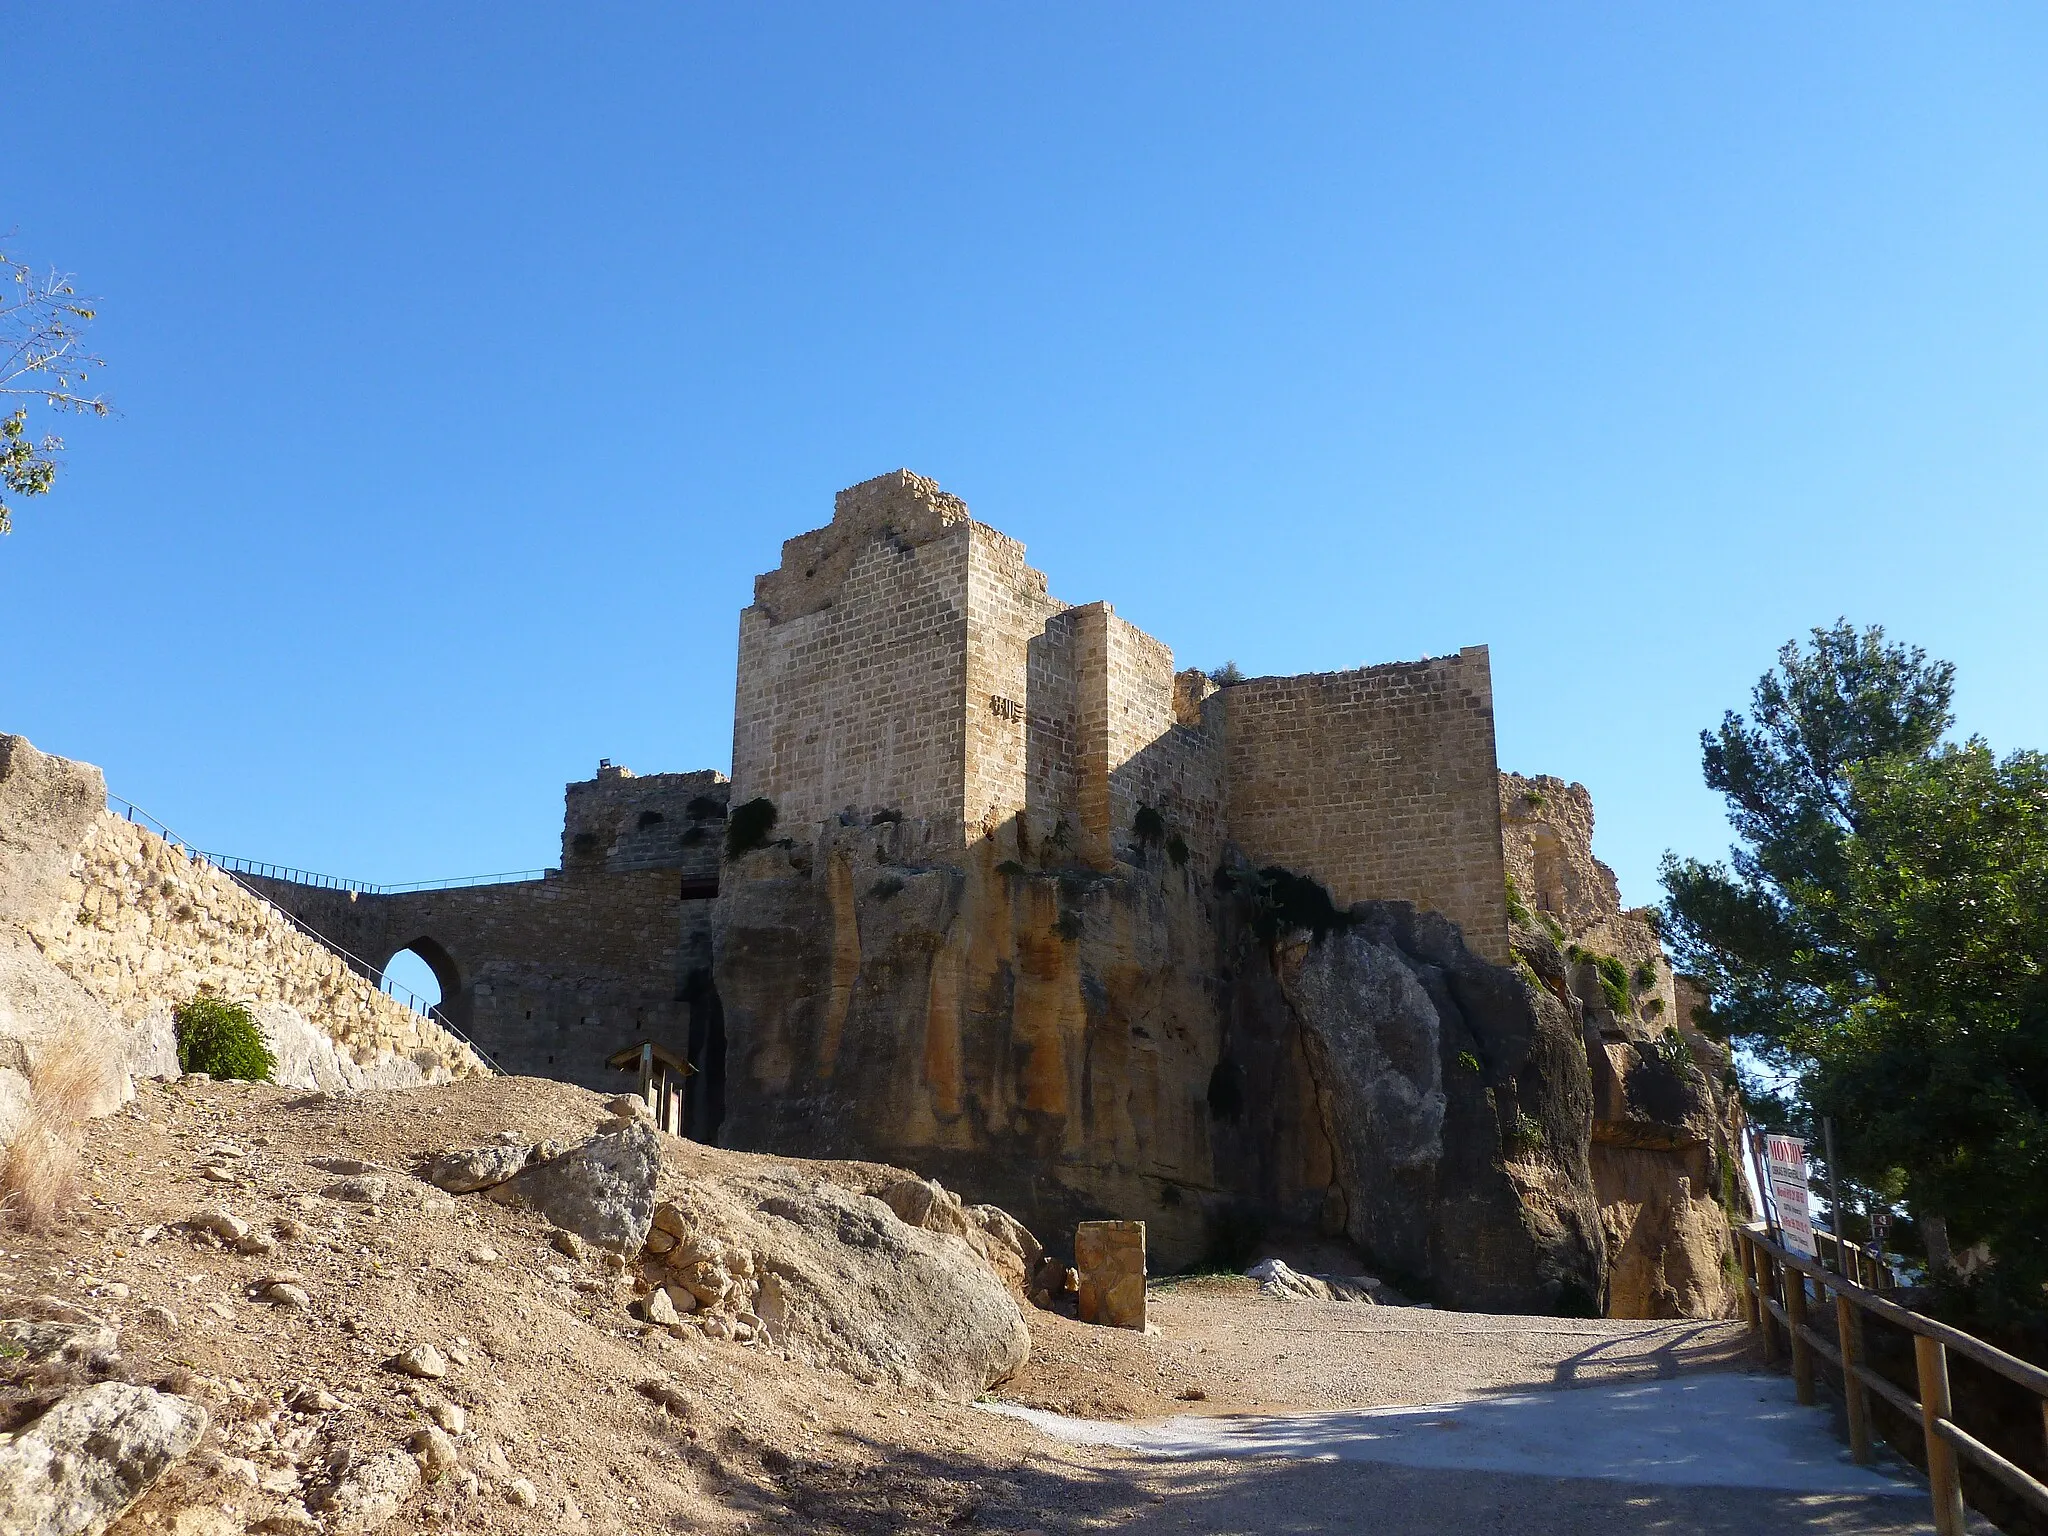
<point>620,822</point>
<point>552,976</point>
<point>1382,783</point>
<point>142,927</point>
<point>1020,700</point>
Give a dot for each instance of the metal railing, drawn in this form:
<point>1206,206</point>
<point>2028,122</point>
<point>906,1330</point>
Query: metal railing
<point>235,864</point>
<point>1776,1303</point>
<point>128,810</point>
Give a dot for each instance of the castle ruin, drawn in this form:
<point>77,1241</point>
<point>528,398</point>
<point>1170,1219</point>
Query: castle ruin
<point>1048,918</point>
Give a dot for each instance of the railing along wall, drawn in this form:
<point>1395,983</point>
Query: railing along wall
<point>129,811</point>
<point>1777,1304</point>
<point>235,864</point>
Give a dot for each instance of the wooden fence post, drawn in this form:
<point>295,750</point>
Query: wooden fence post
<point>1748,1271</point>
<point>1855,1396</point>
<point>1931,1358</point>
<point>1764,1296</point>
<point>1795,1326</point>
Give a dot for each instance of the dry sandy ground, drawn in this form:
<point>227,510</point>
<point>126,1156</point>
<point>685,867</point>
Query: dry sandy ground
<point>551,1366</point>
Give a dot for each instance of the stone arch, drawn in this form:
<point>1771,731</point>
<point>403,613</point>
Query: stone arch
<point>446,973</point>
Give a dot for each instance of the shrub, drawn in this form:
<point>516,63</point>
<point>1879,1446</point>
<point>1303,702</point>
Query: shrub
<point>1012,868</point>
<point>39,1166</point>
<point>1470,1063</point>
<point>1148,826</point>
<point>1230,672</point>
<point>1613,982</point>
<point>885,887</point>
<point>1177,850</point>
<point>1518,914</point>
<point>747,827</point>
<point>705,808</point>
<point>691,837</point>
<point>220,1038</point>
<point>1526,1134</point>
<point>1676,1054</point>
<point>1645,975</point>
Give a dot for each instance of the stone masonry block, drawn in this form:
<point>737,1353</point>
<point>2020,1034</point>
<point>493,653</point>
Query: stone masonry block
<point>1111,1258</point>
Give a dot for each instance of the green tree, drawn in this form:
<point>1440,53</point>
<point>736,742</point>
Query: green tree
<point>43,358</point>
<point>1880,933</point>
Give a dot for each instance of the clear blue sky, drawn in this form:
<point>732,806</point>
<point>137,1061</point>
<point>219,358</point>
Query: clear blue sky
<point>471,360</point>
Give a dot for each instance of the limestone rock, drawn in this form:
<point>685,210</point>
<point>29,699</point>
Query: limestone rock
<point>436,1453</point>
<point>1277,1279</point>
<point>360,1189</point>
<point>74,1470</point>
<point>463,1170</point>
<point>364,1492</point>
<point>421,1360</point>
<point>1477,1181</point>
<point>603,1190</point>
<point>1111,1258</point>
<point>225,1225</point>
<point>837,1279</point>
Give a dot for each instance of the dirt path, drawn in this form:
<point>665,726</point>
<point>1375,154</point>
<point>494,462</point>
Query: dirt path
<point>1556,1425</point>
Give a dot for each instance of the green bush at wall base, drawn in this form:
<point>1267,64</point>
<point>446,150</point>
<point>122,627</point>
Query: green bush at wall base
<point>220,1038</point>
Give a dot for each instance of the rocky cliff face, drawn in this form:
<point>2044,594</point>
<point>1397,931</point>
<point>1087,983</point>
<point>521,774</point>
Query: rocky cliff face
<point>1664,1123</point>
<point>1152,1042</point>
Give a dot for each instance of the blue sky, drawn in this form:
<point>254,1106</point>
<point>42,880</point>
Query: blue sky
<point>472,359</point>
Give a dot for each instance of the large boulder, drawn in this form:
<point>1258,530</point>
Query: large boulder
<point>837,1278</point>
<point>74,1470</point>
<point>603,1191</point>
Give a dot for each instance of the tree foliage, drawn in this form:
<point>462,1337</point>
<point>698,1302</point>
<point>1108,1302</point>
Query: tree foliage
<point>43,359</point>
<point>1881,933</point>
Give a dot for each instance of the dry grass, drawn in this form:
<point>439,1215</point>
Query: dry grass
<point>39,1169</point>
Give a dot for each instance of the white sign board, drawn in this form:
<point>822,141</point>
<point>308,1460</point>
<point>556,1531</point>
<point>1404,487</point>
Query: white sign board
<point>1786,1157</point>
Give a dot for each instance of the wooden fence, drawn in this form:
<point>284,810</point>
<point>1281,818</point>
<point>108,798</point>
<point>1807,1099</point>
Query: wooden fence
<point>1778,1303</point>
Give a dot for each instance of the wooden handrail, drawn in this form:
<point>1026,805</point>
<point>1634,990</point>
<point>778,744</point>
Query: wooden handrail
<point>1768,1267</point>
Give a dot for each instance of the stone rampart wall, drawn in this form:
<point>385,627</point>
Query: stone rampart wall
<point>620,822</point>
<point>549,977</point>
<point>143,927</point>
<point>1382,783</point>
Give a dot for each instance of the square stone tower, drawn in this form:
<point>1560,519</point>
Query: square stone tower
<point>863,655</point>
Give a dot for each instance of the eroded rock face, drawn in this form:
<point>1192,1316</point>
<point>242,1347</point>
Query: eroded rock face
<point>1664,1126</point>
<point>1079,1044</point>
<point>1457,1104</point>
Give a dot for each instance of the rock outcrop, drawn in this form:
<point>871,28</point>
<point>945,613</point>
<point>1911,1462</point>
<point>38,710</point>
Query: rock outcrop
<point>89,1456</point>
<point>1664,1124</point>
<point>1083,1043</point>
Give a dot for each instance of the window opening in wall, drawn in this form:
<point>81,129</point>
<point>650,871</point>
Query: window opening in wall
<point>1549,871</point>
